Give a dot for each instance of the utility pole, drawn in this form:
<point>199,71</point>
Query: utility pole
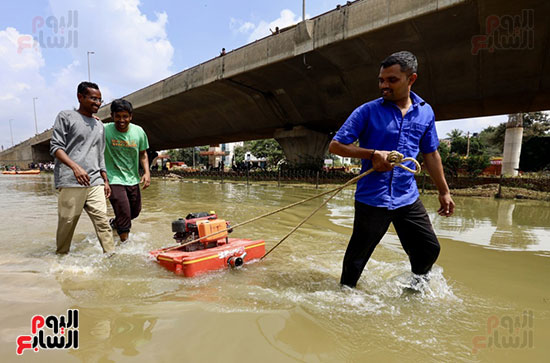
<point>468,145</point>
<point>34,107</point>
<point>11,132</point>
<point>89,78</point>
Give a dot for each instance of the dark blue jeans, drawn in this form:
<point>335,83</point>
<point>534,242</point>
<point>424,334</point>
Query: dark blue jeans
<point>413,228</point>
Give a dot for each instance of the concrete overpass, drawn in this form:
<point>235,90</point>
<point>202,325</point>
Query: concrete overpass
<point>301,84</point>
<point>36,149</point>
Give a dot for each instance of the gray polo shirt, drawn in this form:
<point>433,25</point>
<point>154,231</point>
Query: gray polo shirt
<point>83,139</point>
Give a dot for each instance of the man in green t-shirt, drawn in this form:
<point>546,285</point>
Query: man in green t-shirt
<point>125,148</point>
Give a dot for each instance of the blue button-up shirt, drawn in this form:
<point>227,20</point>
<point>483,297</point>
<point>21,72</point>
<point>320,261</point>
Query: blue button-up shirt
<point>379,125</point>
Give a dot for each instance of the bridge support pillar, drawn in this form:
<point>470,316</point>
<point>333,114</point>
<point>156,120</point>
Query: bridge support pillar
<point>512,145</point>
<point>302,146</point>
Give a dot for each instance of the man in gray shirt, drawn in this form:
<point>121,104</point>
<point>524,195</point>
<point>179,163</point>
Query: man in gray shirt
<point>78,145</point>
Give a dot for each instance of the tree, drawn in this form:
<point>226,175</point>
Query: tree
<point>238,154</point>
<point>453,163</point>
<point>496,137</point>
<point>459,143</point>
<point>444,151</point>
<point>186,155</point>
<point>534,154</point>
<point>493,144</point>
<point>455,133</point>
<point>266,148</point>
<point>535,124</point>
<point>475,164</point>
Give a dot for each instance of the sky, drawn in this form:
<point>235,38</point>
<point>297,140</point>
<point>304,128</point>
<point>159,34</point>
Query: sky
<point>45,47</point>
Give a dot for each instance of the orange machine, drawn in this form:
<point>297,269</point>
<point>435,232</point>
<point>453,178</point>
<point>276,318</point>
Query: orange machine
<point>214,252</point>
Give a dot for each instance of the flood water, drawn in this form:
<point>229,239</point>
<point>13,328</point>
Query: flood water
<point>488,298</point>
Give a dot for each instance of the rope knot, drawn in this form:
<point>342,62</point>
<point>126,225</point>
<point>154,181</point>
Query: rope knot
<point>397,159</point>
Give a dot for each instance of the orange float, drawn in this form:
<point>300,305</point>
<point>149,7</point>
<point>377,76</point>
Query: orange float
<point>21,172</point>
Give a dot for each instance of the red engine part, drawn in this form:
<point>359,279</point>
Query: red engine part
<point>186,230</point>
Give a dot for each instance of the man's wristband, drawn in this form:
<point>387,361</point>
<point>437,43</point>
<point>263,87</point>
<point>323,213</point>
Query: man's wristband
<point>372,154</point>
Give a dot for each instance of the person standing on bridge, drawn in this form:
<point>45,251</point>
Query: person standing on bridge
<point>78,145</point>
<point>399,120</point>
<point>126,148</point>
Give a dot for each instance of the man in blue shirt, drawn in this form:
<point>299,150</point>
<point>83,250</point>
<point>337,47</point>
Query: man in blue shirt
<point>399,120</point>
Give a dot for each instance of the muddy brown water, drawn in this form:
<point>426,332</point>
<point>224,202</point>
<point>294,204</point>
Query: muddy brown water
<point>488,298</point>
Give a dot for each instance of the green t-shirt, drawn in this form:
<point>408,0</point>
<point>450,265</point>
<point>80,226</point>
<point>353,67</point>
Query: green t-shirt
<point>122,153</point>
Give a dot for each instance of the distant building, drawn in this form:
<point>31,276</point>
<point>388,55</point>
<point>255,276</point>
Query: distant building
<point>253,161</point>
<point>230,149</point>
<point>343,160</point>
<point>215,155</point>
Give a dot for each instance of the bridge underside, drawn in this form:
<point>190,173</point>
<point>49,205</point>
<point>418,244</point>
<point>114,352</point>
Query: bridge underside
<point>314,74</point>
<point>320,91</point>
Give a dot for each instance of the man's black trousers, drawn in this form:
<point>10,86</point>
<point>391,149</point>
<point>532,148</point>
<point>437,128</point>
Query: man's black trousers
<point>126,202</point>
<point>413,227</point>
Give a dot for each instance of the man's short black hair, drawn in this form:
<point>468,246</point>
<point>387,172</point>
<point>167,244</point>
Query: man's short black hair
<point>83,87</point>
<point>406,60</point>
<point>121,105</point>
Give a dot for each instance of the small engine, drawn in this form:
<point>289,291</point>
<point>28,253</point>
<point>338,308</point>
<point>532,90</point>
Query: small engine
<point>197,225</point>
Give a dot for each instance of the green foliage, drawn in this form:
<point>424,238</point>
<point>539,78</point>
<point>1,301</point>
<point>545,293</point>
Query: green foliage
<point>490,142</point>
<point>186,155</point>
<point>535,124</point>
<point>493,138</point>
<point>238,154</point>
<point>454,134</point>
<point>266,148</point>
<point>496,137</point>
<point>453,163</point>
<point>534,154</point>
<point>459,143</point>
<point>475,164</point>
<point>444,151</point>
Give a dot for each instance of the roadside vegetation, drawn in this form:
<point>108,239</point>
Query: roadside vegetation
<point>464,156</point>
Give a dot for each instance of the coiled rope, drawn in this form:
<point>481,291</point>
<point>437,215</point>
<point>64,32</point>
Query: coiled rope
<point>394,157</point>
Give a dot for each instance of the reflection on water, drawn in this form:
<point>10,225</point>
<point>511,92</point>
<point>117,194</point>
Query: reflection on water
<point>113,330</point>
<point>502,224</point>
<point>288,307</point>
